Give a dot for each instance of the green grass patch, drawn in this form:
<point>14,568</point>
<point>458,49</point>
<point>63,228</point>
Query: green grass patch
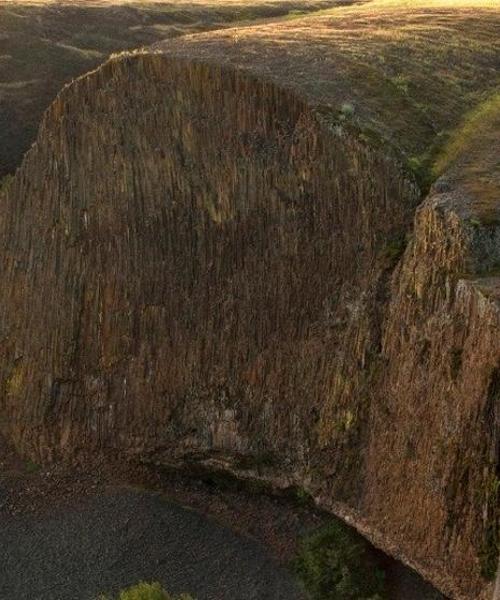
<point>475,122</point>
<point>5,183</point>
<point>394,248</point>
<point>145,591</point>
<point>401,83</point>
<point>31,467</point>
<point>295,14</point>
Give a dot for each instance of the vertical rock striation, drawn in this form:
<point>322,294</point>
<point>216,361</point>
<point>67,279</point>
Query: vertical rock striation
<point>207,245</point>
<point>436,422</point>
<point>201,265</point>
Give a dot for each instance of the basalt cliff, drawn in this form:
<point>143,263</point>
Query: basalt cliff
<point>222,251</point>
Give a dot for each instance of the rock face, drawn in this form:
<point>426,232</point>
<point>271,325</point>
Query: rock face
<point>203,265</point>
<point>211,277</point>
<point>441,387</point>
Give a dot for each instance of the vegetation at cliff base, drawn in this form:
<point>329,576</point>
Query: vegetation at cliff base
<point>146,591</point>
<point>334,563</point>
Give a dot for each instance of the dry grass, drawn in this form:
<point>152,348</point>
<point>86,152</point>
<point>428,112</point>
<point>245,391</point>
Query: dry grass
<point>408,71</point>
<point>405,72</point>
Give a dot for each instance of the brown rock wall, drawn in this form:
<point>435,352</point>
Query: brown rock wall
<point>199,265</point>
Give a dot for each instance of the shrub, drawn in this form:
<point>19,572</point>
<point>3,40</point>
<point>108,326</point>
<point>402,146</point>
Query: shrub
<point>5,183</point>
<point>335,564</point>
<point>347,110</point>
<point>146,591</point>
<point>394,248</point>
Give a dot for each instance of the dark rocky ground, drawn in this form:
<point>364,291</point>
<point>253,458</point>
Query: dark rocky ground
<point>68,534</point>
<point>123,536</point>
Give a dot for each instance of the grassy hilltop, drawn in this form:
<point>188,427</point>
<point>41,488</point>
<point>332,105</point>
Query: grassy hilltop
<point>407,73</point>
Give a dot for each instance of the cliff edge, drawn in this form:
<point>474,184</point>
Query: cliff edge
<point>219,251</point>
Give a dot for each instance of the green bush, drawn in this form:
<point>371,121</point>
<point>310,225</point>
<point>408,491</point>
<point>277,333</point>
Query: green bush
<point>5,183</point>
<point>146,591</point>
<point>335,564</point>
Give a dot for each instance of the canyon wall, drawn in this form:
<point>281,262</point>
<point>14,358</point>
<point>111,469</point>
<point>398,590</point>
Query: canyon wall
<point>200,265</point>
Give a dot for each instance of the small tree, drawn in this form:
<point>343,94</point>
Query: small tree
<point>334,564</point>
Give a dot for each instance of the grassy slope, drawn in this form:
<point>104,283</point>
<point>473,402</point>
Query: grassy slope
<point>406,73</point>
<point>472,158</point>
<point>44,44</point>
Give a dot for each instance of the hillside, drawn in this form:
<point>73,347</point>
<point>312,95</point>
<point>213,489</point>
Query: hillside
<point>274,250</point>
<point>405,73</point>
<point>44,44</point>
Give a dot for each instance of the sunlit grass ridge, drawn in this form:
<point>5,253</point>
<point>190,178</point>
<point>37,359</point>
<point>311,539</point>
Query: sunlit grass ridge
<point>409,71</point>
